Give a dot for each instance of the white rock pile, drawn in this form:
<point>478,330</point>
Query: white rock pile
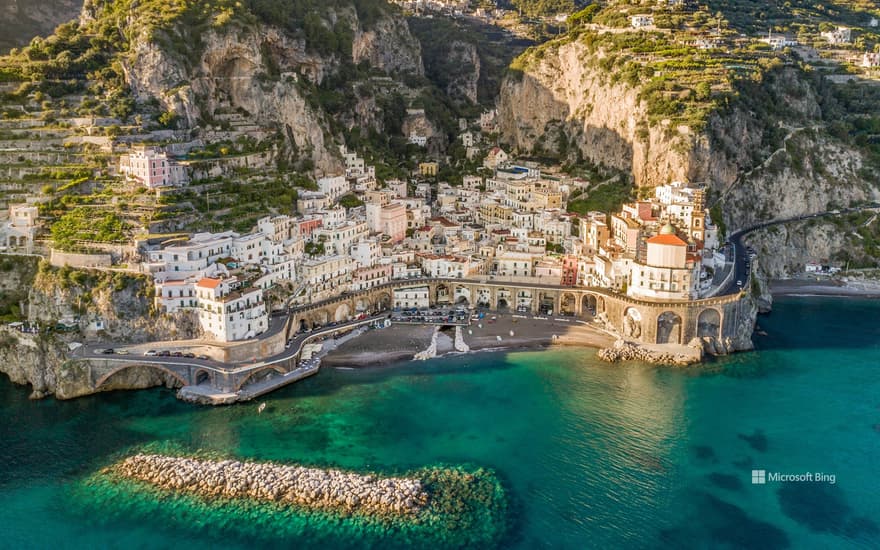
<point>308,487</point>
<point>624,350</point>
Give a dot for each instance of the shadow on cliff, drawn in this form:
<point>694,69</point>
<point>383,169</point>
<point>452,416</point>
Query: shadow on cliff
<point>537,124</point>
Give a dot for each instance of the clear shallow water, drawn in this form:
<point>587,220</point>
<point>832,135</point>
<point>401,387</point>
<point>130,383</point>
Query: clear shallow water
<point>591,455</point>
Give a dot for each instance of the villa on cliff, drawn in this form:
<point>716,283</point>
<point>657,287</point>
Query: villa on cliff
<point>152,168</point>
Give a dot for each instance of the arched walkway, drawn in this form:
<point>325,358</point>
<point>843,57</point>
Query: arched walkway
<point>443,295</point>
<point>709,323</point>
<point>202,376</point>
<point>462,295</point>
<point>632,323</point>
<point>383,302</point>
<point>103,380</point>
<point>259,375</point>
<point>568,304</point>
<point>588,305</point>
<point>362,304</point>
<point>319,318</point>
<point>668,328</point>
<point>343,312</point>
<point>484,297</point>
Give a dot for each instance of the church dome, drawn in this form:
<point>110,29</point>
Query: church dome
<point>667,229</point>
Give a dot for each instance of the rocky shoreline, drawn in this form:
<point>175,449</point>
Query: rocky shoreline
<point>312,488</point>
<point>624,350</point>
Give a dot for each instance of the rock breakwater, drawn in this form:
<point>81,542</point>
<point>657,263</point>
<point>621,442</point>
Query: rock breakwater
<point>624,350</point>
<point>313,488</point>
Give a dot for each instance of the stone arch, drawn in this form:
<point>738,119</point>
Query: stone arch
<point>600,304</point>
<point>304,325</point>
<point>103,379</point>
<point>632,323</point>
<point>503,299</point>
<point>320,317</point>
<point>567,304</point>
<point>709,323</point>
<point>258,375</point>
<point>668,328</point>
<point>462,295</point>
<point>589,304</point>
<point>202,375</point>
<point>362,304</point>
<point>342,313</point>
<point>442,294</point>
<point>484,297</point>
<point>547,303</point>
<point>383,301</point>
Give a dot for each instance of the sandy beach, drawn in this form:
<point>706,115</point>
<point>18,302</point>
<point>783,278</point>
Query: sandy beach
<point>825,286</point>
<point>402,342</point>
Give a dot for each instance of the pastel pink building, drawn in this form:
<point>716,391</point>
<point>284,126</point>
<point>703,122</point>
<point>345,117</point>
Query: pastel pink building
<point>152,168</point>
<point>393,221</point>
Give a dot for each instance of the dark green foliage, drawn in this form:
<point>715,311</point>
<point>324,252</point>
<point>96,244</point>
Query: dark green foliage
<point>543,8</point>
<point>350,201</point>
<point>86,224</point>
<point>608,197</point>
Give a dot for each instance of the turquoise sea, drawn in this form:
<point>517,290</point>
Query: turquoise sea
<point>590,455</point>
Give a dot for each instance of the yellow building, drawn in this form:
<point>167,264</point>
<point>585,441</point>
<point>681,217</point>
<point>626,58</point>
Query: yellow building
<point>428,168</point>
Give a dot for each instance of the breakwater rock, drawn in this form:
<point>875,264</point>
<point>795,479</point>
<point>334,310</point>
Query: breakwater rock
<point>624,350</point>
<point>296,485</point>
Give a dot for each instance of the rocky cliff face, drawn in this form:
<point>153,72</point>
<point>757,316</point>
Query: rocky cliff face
<point>265,72</point>
<point>388,46</point>
<point>562,95</point>
<point>108,307</point>
<point>463,84</point>
<point>41,362</point>
<point>22,20</point>
<point>762,162</point>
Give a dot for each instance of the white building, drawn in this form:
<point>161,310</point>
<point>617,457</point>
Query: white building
<point>334,187</point>
<point>642,21</point>
<point>228,312</point>
<point>668,272</point>
<point>870,60</point>
<point>417,297</point>
<point>840,35</point>
<point>418,139</point>
<point>778,41</point>
<point>152,168</point>
<point>19,232</point>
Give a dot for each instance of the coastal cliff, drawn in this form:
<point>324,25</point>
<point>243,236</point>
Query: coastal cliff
<point>200,66</point>
<point>22,20</point>
<point>556,94</point>
<point>91,306</point>
<point>771,147</point>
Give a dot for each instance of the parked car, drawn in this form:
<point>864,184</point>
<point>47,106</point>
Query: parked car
<point>164,353</point>
<point>203,357</point>
<point>189,355</point>
<point>122,352</point>
<point>177,354</point>
<point>739,283</point>
<point>150,353</point>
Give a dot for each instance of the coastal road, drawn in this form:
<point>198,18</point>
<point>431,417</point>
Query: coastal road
<point>93,351</point>
<point>742,265</point>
